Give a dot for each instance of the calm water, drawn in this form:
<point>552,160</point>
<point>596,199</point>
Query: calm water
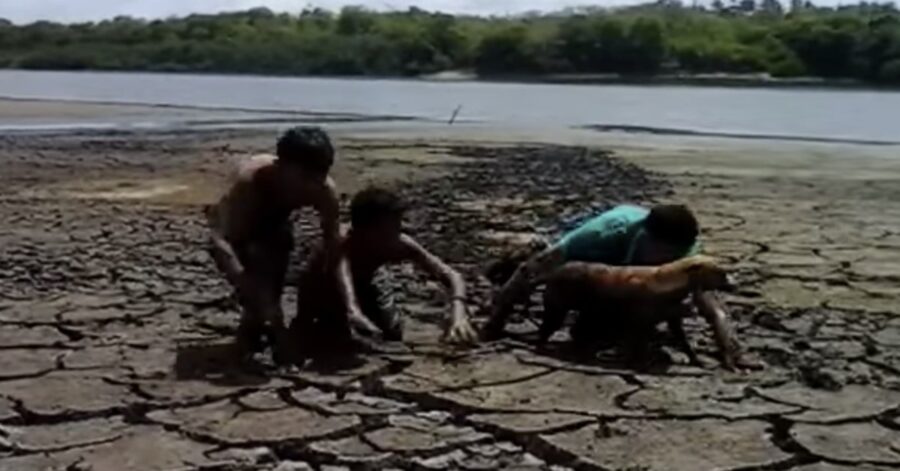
<point>816,113</point>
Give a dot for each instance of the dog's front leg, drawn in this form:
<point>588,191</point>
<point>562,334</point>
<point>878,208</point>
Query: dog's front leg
<point>556,307</point>
<point>676,329</point>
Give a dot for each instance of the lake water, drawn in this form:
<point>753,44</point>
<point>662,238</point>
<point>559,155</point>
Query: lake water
<point>833,114</point>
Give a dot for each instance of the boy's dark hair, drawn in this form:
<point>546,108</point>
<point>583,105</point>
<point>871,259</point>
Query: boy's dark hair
<point>674,224</point>
<point>374,205</point>
<point>307,146</point>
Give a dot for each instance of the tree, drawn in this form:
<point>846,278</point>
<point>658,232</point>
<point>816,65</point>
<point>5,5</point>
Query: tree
<point>890,71</point>
<point>317,16</point>
<point>575,43</point>
<point>826,49</point>
<point>860,41</point>
<point>771,7</point>
<point>507,51</point>
<point>747,6</point>
<point>646,47</point>
<point>355,20</point>
<point>443,33</point>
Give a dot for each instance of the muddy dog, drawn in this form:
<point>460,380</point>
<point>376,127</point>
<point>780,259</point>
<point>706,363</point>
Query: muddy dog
<point>620,305</point>
<point>627,302</point>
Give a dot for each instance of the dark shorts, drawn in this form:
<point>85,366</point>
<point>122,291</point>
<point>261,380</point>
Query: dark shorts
<point>265,261</point>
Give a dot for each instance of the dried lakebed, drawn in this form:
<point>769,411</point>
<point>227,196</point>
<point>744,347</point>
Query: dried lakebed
<point>114,329</point>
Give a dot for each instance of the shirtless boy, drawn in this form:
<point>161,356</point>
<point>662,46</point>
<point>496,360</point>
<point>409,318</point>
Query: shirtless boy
<point>623,236</point>
<point>330,309</point>
<point>251,233</point>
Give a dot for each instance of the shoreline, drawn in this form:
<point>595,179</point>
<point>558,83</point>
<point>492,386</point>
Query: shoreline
<point>724,80</point>
<point>699,80</point>
<point>49,117</point>
<point>232,109</point>
<point>735,135</point>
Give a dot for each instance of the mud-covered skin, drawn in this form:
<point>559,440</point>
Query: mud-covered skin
<point>251,239</point>
<point>115,324</point>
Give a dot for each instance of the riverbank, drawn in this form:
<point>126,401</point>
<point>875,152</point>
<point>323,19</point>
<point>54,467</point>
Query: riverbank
<point>55,115</point>
<point>760,80</point>
<point>29,115</point>
<point>751,80</point>
<point>807,114</point>
<point>114,324</point>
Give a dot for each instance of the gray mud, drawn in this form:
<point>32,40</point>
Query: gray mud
<point>115,329</point>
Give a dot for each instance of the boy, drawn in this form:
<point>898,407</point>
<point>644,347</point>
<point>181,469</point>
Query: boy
<point>351,304</point>
<point>251,235</point>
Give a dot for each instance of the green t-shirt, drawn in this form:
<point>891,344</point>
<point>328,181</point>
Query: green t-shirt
<point>610,237</point>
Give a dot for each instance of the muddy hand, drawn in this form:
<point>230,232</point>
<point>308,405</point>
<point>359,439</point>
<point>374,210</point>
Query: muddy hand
<point>361,325</point>
<point>461,332</point>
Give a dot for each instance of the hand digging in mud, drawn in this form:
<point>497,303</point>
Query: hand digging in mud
<point>349,303</point>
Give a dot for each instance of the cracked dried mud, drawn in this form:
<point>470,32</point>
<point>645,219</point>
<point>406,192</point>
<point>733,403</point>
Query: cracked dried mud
<point>115,327</point>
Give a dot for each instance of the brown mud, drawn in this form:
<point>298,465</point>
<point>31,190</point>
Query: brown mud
<point>115,327</point>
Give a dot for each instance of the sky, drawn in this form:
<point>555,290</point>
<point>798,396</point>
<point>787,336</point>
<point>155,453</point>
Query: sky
<point>24,11</point>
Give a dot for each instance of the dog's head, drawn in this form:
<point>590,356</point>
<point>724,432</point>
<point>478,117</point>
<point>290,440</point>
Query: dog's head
<point>706,274</point>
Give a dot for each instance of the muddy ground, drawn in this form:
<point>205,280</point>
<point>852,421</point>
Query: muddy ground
<point>114,326</point>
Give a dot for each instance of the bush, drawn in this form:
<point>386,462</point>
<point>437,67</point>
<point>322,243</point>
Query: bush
<point>890,71</point>
<point>861,42</point>
<point>507,51</point>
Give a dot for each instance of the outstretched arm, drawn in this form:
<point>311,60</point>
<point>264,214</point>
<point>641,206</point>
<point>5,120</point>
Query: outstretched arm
<point>357,320</point>
<point>458,328</point>
<point>223,253</point>
<point>519,285</point>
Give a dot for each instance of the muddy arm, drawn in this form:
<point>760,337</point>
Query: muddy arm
<point>223,252</point>
<point>529,274</point>
<point>357,320</point>
<point>226,258</point>
<point>458,329</point>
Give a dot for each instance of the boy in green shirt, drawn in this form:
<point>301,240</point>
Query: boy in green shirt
<point>625,235</point>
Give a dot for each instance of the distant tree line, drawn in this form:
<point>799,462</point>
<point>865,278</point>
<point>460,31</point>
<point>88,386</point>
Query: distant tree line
<point>731,36</point>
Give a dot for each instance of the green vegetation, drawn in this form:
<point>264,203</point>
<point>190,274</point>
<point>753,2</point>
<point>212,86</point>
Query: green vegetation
<point>744,36</point>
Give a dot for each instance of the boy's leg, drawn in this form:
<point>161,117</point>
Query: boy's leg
<point>249,335</point>
<point>320,326</point>
<point>266,264</point>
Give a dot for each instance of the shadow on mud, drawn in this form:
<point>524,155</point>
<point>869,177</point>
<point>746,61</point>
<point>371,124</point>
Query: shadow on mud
<point>604,354</point>
<point>218,363</point>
